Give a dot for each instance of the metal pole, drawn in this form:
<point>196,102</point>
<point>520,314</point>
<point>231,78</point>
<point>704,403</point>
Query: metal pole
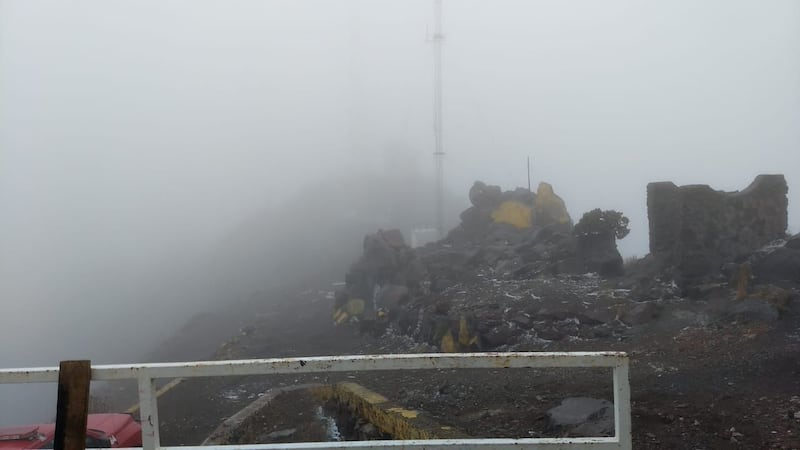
<point>529,173</point>
<point>438,153</point>
<point>148,411</point>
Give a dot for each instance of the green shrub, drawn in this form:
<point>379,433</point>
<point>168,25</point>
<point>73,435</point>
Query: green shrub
<point>601,222</point>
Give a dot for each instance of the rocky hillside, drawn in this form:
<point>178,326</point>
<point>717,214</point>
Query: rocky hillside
<point>517,274</point>
<point>714,357</point>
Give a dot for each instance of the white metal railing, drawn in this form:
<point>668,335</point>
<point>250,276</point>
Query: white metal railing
<point>147,374</point>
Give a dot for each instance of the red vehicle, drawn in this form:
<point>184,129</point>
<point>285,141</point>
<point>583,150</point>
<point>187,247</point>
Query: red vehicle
<point>102,431</point>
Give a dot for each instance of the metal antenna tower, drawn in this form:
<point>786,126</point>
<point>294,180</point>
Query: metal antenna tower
<point>438,153</point>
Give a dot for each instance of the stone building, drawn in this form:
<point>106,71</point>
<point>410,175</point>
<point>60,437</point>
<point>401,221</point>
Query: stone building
<point>697,229</point>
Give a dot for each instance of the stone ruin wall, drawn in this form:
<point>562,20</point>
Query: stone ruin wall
<point>697,229</point>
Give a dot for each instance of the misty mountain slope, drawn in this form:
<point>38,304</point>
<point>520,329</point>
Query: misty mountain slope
<point>297,245</point>
<point>321,224</point>
<point>129,145</point>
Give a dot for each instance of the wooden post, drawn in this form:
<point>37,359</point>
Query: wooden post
<point>72,408</point>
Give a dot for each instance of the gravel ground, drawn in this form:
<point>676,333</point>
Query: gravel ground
<point>708,384</point>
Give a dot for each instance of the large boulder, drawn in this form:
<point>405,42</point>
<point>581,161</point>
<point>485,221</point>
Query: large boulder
<point>392,295</point>
<point>597,233</point>
<point>598,253</point>
<point>484,196</point>
<point>385,275</point>
<point>549,208</point>
<point>778,262</point>
<point>793,242</point>
<point>520,211</point>
<point>550,250</point>
<point>393,238</point>
<point>780,265</point>
<point>754,309</point>
<point>582,416</point>
<point>640,313</point>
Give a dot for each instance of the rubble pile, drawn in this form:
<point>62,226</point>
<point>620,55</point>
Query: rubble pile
<point>518,235</point>
<point>778,262</point>
<point>387,273</point>
<point>509,315</point>
<point>448,294</point>
<point>495,215</point>
<point>517,274</point>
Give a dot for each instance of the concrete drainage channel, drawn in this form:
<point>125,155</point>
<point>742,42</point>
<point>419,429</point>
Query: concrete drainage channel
<point>320,413</point>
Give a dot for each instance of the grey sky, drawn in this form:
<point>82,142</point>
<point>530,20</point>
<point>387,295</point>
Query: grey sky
<point>136,135</point>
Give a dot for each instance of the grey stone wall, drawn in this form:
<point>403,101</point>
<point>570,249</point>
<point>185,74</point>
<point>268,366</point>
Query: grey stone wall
<point>697,229</point>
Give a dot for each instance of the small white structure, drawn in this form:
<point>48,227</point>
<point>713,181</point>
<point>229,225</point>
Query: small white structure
<point>422,236</point>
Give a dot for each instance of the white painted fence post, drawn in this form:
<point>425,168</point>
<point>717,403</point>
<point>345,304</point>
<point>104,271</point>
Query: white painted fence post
<point>622,405</point>
<point>148,411</point>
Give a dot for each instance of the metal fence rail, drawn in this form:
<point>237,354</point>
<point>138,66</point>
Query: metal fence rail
<point>147,374</point>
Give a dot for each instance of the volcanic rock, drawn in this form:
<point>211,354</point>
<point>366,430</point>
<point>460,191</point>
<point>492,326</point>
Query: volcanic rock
<point>485,197</point>
<point>777,262</point>
<point>754,309</point>
<point>598,252</point>
<point>582,416</point>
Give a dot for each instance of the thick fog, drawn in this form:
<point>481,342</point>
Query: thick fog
<point>161,158</point>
